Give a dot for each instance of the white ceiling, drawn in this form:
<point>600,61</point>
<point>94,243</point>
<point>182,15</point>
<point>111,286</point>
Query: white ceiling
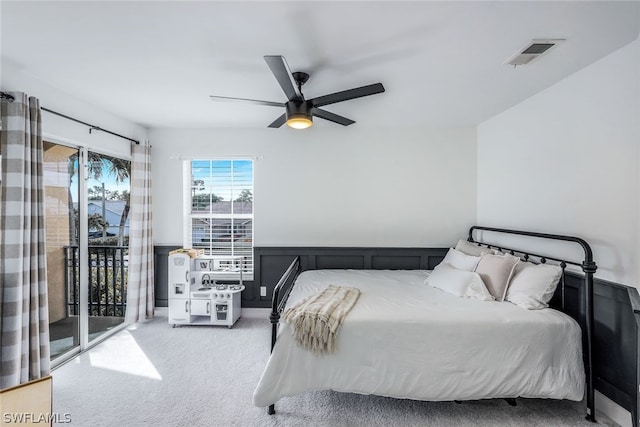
<point>442,63</point>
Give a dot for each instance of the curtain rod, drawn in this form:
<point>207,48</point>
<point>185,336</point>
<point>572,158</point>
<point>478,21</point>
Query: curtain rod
<point>91,127</point>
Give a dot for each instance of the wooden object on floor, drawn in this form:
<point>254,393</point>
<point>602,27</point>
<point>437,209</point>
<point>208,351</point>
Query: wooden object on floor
<point>28,404</point>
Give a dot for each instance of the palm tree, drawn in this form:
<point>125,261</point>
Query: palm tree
<point>118,168</point>
<point>97,222</point>
<point>121,170</point>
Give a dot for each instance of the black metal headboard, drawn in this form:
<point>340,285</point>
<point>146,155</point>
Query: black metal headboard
<point>588,267</point>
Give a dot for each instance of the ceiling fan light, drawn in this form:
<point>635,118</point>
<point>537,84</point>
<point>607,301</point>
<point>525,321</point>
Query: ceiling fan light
<point>299,121</point>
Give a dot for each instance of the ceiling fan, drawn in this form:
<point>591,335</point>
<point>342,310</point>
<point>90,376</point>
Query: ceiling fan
<point>298,111</point>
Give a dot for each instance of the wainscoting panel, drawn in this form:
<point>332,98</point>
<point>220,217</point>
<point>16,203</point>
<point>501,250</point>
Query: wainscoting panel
<point>616,337</point>
<point>617,340</point>
<point>161,274</point>
<point>355,262</point>
<point>267,271</point>
<point>271,262</point>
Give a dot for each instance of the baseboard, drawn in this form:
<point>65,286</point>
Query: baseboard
<point>612,410</point>
<point>161,311</point>
<point>256,313</point>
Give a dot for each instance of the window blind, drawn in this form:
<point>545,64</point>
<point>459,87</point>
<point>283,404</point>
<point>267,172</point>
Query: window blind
<point>219,208</point>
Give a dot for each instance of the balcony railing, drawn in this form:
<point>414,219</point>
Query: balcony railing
<point>108,267</point>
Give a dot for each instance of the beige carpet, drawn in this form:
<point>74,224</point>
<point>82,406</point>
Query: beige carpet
<point>155,375</point>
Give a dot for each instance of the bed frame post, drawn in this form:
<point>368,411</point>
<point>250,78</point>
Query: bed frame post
<point>589,268</point>
<point>274,318</point>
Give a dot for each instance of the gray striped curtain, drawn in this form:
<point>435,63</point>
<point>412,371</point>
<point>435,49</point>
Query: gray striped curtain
<point>140,296</point>
<point>24,310</point>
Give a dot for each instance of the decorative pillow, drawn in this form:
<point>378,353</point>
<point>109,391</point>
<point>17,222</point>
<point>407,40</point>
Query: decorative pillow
<point>533,285</point>
<point>472,249</point>
<point>461,261</point>
<point>458,282</point>
<point>496,271</point>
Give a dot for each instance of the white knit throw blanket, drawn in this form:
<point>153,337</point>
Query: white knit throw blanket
<point>316,319</point>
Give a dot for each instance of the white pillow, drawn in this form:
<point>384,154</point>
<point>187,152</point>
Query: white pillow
<point>458,282</point>
<point>496,272</point>
<point>472,249</point>
<point>533,285</point>
<point>457,259</point>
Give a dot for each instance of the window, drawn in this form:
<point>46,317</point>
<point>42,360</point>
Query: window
<point>219,208</point>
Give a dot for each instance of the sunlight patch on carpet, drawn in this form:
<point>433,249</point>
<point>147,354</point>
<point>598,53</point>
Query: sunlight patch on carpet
<point>128,359</point>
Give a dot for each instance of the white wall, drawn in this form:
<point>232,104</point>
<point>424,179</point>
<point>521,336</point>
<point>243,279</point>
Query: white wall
<point>567,161</point>
<point>333,186</point>
<point>62,130</point>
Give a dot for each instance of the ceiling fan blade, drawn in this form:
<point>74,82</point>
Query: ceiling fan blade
<point>253,101</point>
<point>282,73</point>
<point>279,121</point>
<point>347,94</point>
<point>324,114</point>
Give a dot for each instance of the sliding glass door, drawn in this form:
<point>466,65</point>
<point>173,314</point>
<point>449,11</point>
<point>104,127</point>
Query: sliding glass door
<point>87,222</point>
<point>108,240</point>
<point>61,216</point>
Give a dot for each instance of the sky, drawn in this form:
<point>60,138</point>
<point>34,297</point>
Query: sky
<point>227,178</point>
<point>109,180</point>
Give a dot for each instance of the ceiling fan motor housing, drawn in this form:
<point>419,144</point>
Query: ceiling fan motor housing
<point>298,109</point>
<point>298,114</point>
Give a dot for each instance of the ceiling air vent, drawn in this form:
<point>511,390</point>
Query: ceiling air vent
<point>532,50</point>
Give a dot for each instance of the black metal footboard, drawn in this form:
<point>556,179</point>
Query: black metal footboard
<point>280,296</point>
<point>588,267</point>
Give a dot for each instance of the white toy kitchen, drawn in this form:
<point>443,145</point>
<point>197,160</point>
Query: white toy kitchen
<point>204,290</point>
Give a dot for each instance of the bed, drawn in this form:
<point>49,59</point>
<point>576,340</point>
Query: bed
<point>406,339</point>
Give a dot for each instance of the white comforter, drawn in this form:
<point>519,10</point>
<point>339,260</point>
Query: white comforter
<point>406,339</point>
